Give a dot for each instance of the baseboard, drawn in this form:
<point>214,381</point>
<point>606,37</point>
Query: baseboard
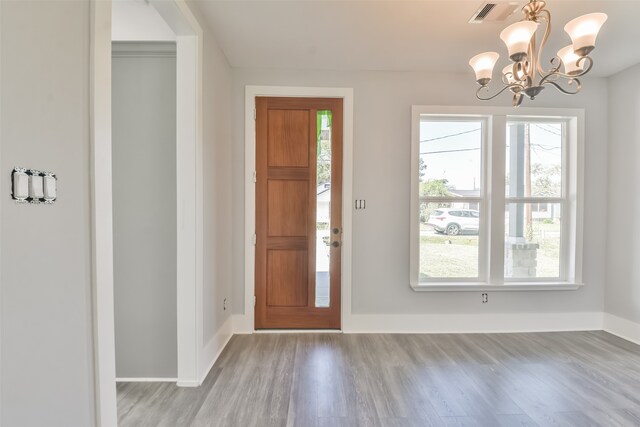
<point>146,380</point>
<point>622,328</point>
<point>188,383</point>
<point>214,348</point>
<point>457,323</point>
<point>241,324</point>
<point>473,323</point>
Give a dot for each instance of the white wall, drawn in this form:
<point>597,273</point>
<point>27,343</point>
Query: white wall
<point>144,209</point>
<point>622,297</point>
<point>382,127</point>
<point>218,239</point>
<point>46,362</point>
<point>137,20</point>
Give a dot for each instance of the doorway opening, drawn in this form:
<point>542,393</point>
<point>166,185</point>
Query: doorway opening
<point>188,170</point>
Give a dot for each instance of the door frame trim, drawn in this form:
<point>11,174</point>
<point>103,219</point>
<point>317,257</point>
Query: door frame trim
<point>245,322</point>
<point>189,146</point>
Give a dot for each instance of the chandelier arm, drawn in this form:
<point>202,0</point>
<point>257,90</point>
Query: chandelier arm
<point>567,92</point>
<point>511,86</point>
<point>556,72</point>
<point>547,20</point>
<point>532,68</point>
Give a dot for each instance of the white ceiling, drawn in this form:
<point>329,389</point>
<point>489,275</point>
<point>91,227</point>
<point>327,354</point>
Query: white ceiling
<point>426,35</point>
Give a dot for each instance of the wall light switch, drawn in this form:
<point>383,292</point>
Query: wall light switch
<point>35,186</point>
<point>50,190</point>
<point>20,184</point>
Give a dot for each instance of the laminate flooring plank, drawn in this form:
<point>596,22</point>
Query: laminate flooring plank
<point>303,400</point>
<point>461,421</point>
<point>164,404</point>
<point>181,404</point>
<point>440,392</point>
<point>335,386</point>
<point>618,377</point>
<point>229,393</point>
<point>456,386</point>
<point>361,403</point>
<point>490,385</point>
<point>515,420</point>
<point>141,403</point>
<point>383,386</point>
<point>516,348</point>
<point>590,393</point>
<point>419,409</point>
<point>609,418</point>
<point>458,347</point>
<point>122,390</point>
<point>421,350</point>
<point>538,399</point>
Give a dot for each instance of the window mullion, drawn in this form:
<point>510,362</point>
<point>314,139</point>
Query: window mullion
<point>496,198</point>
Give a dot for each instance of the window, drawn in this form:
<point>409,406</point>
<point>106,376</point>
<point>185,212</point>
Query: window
<point>495,197</point>
<point>534,176</point>
<point>451,189</point>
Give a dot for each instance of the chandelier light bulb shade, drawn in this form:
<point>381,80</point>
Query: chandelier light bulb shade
<point>517,38</point>
<point>570,60</point>
<point>583,31</point>
<point>483,65</point>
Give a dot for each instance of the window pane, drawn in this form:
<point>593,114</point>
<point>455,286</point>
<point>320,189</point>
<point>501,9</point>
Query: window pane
<point>532,240</point>
<point>450,158</point>
<point>323,208</point>
<point>534,159</point>
<point>449,240</point>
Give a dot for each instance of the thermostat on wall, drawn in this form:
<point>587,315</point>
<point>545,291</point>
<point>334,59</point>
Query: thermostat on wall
<point>33,186</point>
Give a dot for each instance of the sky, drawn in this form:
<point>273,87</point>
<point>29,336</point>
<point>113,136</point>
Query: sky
<point>452,150</point>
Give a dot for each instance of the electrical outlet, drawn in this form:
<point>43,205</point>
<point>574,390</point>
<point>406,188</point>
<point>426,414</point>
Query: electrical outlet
<point>224,304</point>
<point>485,298</point>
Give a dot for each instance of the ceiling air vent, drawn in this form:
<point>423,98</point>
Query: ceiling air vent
<point>494,12</point>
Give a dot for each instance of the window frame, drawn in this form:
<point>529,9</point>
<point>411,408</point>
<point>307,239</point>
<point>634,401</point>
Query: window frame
<point>493,194</point>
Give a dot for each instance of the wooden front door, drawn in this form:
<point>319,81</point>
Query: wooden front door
<point>298,213</point>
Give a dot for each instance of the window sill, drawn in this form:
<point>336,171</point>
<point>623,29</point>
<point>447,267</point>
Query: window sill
<point>485,287</point>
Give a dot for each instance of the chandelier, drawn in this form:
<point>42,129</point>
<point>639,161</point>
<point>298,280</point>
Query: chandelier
<point>526,74</point>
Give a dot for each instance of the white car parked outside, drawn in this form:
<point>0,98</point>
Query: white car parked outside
<point>454,221</point>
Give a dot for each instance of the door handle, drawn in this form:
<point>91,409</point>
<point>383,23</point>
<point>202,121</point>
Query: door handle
<point>335,243</point>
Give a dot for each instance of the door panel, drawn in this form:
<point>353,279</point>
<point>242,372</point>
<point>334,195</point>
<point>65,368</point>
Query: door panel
<point>288,207</point>
<point>287,278</point>
<point>286,129</point>
<point>295,195</point>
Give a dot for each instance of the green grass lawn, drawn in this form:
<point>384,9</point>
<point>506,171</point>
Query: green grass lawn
<point>457,256</point>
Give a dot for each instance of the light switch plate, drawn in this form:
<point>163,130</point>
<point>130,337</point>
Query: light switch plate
<point>33,186</point>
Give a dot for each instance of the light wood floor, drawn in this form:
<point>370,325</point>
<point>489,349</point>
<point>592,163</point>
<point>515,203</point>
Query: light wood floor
<point>318,380</point>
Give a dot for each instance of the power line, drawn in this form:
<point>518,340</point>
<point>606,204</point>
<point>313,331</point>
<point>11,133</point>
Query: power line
<point>449,136</point>
<point>450,151</point>
<point>544,147</point>
<point>547,130</point>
